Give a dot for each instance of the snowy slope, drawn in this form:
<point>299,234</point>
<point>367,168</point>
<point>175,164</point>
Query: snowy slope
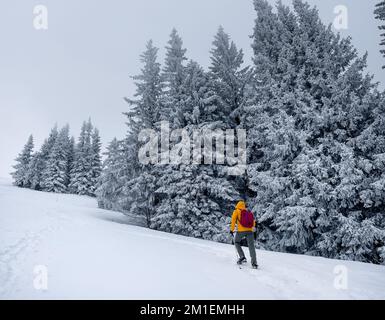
<point>92,253</point>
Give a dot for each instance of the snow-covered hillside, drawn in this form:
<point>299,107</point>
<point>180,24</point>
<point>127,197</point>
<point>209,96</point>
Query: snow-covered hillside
<point>93,253</point>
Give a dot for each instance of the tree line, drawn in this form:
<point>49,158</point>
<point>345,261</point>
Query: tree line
<point>61,165</point>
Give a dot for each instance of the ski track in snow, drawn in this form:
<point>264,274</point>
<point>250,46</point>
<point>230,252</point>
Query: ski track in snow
<point>93,253</point>
<point>8,257</point>
<point>13,254</point>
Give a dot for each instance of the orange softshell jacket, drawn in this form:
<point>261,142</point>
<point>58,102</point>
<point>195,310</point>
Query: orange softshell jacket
<point>236,217</point>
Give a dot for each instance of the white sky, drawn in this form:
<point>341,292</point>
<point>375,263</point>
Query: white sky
<point>81,66</point>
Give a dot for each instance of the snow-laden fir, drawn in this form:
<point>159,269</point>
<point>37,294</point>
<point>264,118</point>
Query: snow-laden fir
<point>93,253</point>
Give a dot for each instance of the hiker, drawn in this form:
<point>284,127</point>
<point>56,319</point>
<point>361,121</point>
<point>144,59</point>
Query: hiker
<point>245,222</point>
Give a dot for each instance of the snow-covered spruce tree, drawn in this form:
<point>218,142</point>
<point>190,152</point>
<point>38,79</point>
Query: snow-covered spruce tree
<point>145,111</point>
<point>39,161</point>
<point>111,181</point>
<point>380,15</point>
<point>20,175</point>
<point>231,83</point>
<point>313,104</point>
<point>229,78</point>
<point>96,162</point>
<point>173,76</point>
<point>360,231</point>
<point>272,141</point>
<point>194,198</point>
<point>71,158</point>
<point>81,181</point>
<point>35,168</point>
<point>39,173</point>
<point>57,171</point>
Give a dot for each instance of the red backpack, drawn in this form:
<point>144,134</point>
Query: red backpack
<point>247,219</point>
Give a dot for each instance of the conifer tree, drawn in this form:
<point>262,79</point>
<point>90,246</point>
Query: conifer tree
<point>173,76</point>
<point>20,175</point>
<point>34,171</point>
<point>111,182</point>
<point>81,176</point>
<point>229,78</point>
<point>57,166</point>
<point>41,173</point>
<point>145,112</point>
<point>96,162</point>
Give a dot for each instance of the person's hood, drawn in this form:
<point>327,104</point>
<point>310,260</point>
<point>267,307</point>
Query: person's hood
<point>240,205</point>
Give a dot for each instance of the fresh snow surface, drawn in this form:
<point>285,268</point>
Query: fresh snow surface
<point>90,253</point>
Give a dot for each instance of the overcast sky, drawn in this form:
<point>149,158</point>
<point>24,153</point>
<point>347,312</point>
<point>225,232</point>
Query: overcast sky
<point>81,66</point>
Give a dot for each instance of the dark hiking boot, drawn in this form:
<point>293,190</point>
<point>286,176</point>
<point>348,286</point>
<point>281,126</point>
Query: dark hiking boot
<point>254,266</point>
<point>241,260</point>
